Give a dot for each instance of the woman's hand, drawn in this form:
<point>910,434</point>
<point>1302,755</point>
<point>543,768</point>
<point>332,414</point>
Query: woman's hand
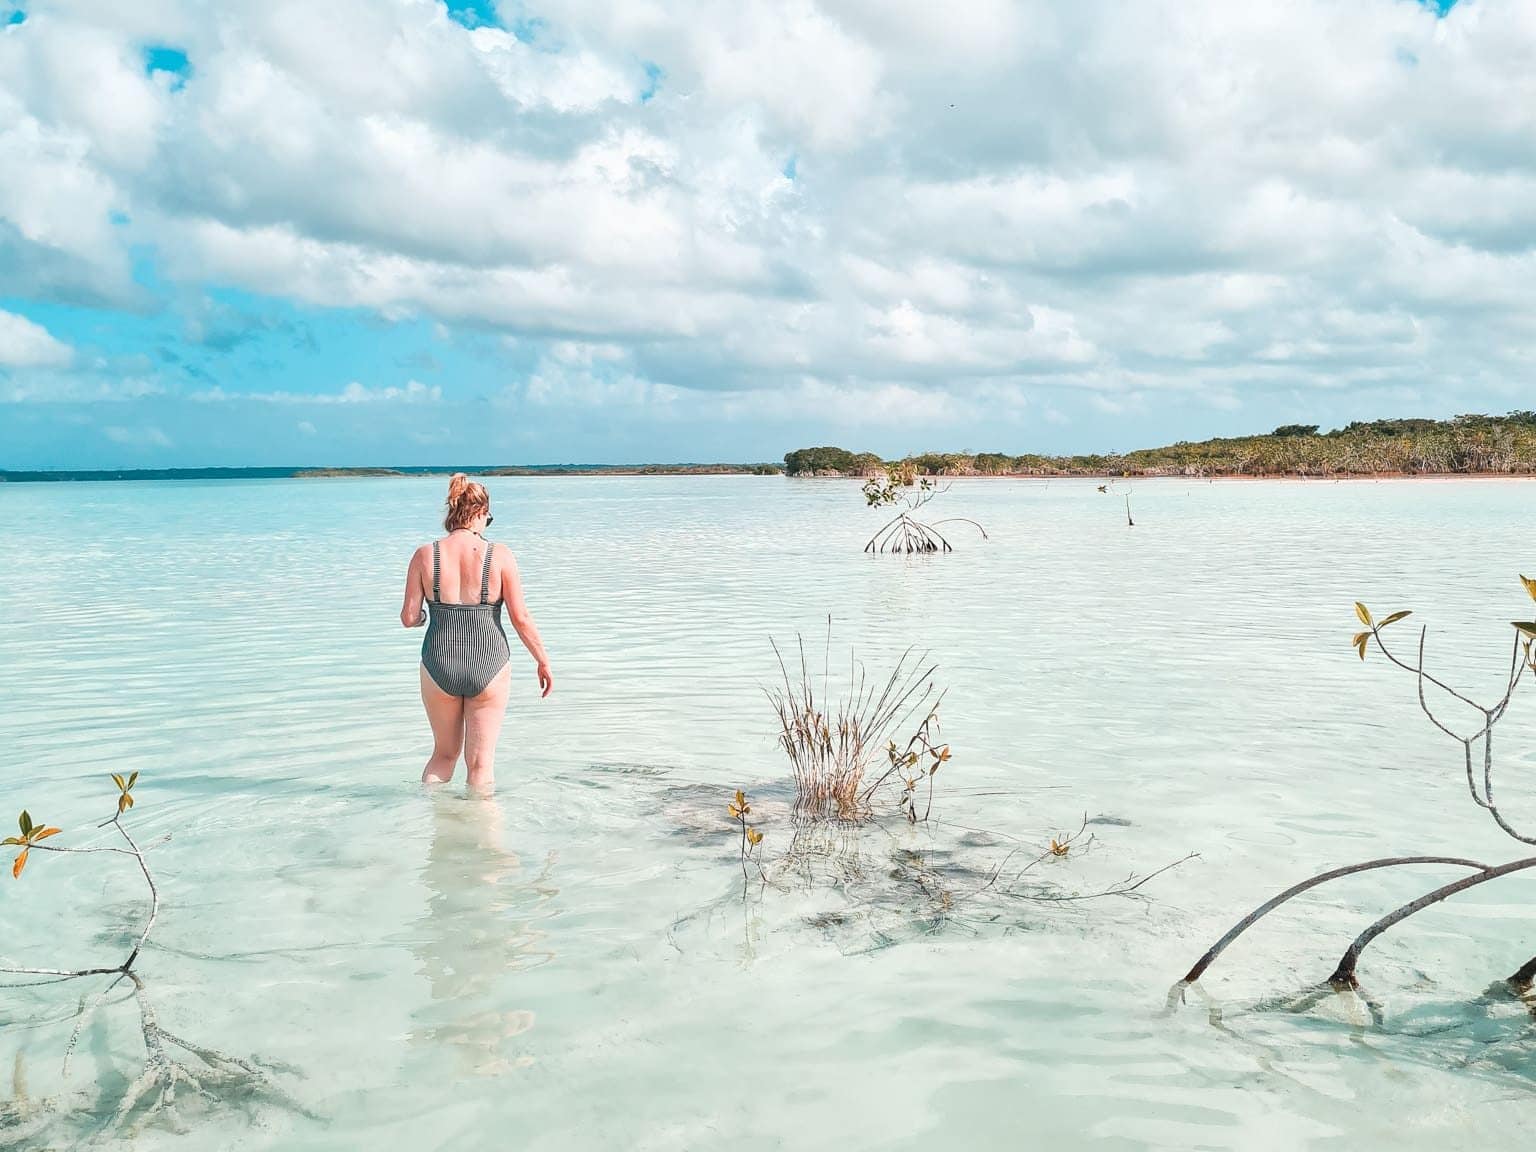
<point>546,681</point>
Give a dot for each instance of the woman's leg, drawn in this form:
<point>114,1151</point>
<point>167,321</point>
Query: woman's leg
<point>482,726</point>
<point>446,715</point>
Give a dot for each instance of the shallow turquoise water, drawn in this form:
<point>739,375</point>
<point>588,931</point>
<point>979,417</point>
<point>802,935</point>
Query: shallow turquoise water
<point>573,965</point>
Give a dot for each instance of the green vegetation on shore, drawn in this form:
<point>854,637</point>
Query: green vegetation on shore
<point>1463,445</point>
<point>321,473</point>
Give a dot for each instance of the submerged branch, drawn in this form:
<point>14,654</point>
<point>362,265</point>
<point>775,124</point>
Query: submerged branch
<point>154,895</point>
<point>1121,888</point>
<point>67,974</point>
<point>1344,975</point>
<point>1270,905</point>
<point>1524,976</point>
<point>906,535</point>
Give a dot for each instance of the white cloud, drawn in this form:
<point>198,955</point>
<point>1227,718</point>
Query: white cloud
<point>90,78</point>
<point>414,392</point>
<point>574,81</point>
<point>139,436</point>
<point>1007,201</point>
<point>60,386</point>
<point>24,344</point>
<point>56,236</point>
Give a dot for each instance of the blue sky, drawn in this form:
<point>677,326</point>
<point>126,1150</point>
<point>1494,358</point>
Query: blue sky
<point>280,233</point>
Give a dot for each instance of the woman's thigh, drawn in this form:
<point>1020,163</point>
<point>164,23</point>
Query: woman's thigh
<point>483,715</point>
<point>446,715</point>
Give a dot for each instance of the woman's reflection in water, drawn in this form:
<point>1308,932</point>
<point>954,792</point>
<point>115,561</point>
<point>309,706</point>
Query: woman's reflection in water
<point>478,933</point>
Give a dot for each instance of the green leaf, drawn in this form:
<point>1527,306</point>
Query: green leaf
<point>25,822</point>
<point>132,780</point>
<point>118,780</point>
<point>1364,613</point>
<point>1526,626</point>
<point>1394,618</point>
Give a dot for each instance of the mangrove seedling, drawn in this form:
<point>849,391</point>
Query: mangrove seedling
<point>1106,488</point>
<point>740,808</point>
<point>153,1092</point>
<point>917,762</point>
<point>900,484</point>
<point>1478,762</point>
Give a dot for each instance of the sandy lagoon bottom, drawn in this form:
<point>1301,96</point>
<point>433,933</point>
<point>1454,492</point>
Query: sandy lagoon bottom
<point>573,964</point>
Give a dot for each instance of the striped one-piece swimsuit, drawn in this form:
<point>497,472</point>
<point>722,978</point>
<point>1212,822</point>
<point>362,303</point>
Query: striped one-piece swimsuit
<point>465,646</point>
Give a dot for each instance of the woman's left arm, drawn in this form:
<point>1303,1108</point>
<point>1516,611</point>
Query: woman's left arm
<point>522,622</point>
<point>411,614</point>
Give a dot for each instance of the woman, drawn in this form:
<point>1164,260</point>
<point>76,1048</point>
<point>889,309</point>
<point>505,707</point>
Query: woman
<point>465,669</point>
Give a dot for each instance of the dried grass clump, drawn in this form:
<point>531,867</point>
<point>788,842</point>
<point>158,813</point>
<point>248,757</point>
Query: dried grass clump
<point>835,744</point>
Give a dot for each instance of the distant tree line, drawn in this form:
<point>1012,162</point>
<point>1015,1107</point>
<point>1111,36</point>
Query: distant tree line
<point>1463,445</point>
<point>831,462</point>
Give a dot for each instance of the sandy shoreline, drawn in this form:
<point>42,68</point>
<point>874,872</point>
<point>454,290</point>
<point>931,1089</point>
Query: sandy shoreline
<point>1287,477</point>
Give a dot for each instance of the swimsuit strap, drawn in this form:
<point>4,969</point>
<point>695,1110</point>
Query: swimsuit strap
<point>485,573</point>
<point>436,565</point>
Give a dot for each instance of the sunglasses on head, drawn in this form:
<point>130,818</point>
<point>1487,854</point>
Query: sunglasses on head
<point>489,519</point>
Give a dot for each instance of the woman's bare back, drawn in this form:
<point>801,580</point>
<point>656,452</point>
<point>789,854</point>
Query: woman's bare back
<point>461,557</point>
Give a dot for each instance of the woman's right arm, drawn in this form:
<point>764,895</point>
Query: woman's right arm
<point>522,621</point>
<point>411,614</point>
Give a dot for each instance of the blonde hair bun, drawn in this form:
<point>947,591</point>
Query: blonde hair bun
<point>466,500</point>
